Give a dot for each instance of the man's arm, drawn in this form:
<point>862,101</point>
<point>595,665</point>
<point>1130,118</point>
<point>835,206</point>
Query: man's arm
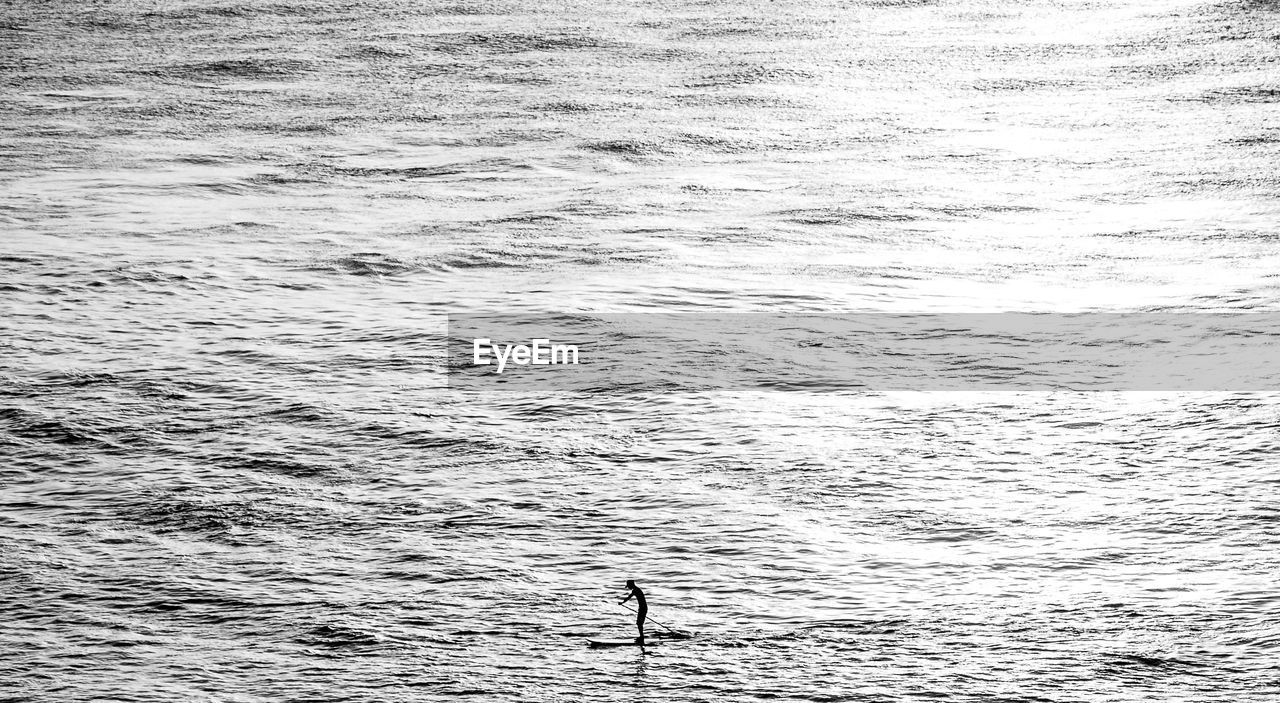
<point>624,600</point>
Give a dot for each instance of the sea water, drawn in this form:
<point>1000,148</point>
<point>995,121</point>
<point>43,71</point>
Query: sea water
<point>233,471</point>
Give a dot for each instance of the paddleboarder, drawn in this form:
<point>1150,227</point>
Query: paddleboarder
<point>642,608</point>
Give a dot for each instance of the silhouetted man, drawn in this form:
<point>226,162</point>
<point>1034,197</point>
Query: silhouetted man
<point>642,608</point>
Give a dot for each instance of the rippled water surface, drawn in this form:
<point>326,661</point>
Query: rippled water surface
<point>231,232</point>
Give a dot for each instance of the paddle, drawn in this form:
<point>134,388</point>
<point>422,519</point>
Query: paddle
<point>647,617</point>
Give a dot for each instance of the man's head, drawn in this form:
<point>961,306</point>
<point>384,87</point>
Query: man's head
<point>631,584</point>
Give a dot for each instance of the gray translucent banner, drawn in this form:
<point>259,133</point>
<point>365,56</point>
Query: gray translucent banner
<point>885,352</point>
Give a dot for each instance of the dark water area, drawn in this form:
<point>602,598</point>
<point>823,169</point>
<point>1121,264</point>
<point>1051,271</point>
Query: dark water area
<point>231,469</point>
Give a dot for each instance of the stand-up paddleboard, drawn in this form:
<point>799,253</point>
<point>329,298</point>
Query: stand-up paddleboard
<point>652,640</point>
<point>596,644</point>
